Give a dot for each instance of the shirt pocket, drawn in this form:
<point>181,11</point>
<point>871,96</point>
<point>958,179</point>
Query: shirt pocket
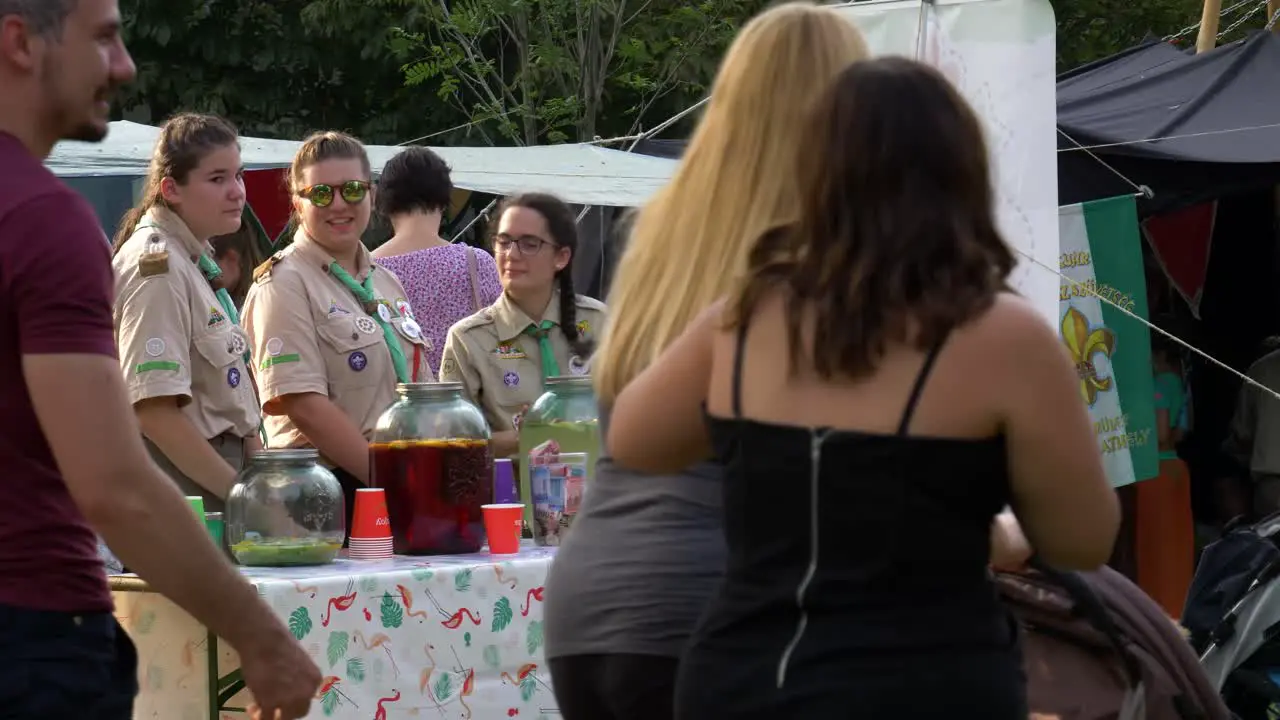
<point>353,358</point>
<point>511,384</point>
<point>219,348</point>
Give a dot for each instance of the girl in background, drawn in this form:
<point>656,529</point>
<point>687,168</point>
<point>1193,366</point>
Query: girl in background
<point>646,551</point>
<point>538,327</point>
<point>181,351</point>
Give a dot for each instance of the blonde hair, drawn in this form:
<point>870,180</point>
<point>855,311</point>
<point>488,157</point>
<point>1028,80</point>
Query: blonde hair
<point>689,244</point>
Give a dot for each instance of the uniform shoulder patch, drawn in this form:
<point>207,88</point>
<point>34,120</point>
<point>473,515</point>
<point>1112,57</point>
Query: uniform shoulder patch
<point>154,259</point>
<point>264,270</point>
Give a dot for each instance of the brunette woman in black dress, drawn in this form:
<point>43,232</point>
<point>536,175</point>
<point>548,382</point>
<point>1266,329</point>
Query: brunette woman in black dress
<point>877,397</point>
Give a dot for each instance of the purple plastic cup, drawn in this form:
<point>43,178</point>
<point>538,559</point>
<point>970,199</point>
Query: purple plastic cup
<point>504,482</point>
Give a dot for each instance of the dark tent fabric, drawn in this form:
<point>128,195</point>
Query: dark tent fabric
<point>671,149</point>
<point>1221,110</point>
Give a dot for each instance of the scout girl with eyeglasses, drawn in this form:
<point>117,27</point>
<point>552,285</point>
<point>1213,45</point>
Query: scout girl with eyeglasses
<point>181,351</point>
<point>330,331</point>
<point>538,328</point>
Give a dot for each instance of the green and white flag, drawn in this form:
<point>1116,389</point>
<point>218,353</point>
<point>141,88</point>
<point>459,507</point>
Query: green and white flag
<point>1101,253</point>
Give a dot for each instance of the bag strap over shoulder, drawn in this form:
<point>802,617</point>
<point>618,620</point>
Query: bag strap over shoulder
<point>471,275</point>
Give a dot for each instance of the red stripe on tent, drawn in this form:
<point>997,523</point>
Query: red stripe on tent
<point>269,197</point>
<point>1181,241</point>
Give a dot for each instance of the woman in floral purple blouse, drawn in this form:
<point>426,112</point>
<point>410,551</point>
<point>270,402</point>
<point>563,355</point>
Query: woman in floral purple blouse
<point>445,281</point>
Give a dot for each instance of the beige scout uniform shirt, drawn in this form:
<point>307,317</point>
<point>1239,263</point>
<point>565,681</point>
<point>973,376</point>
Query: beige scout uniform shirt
<point>500,367</point>
<point>173,335</point>
<point>310,335</point>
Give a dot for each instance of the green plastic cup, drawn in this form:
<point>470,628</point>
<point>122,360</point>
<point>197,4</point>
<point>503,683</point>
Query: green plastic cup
<point>213,521</point>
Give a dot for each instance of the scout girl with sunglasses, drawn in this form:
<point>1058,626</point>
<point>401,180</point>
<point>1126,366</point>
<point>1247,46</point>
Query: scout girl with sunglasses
<point>330,341</point>
<point>181,351</point>
<point>538,328</point>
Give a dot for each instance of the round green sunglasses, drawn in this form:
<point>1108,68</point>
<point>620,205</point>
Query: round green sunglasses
<point>321,195</point>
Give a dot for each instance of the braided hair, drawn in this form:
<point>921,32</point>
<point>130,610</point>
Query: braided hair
<point>563,227</point>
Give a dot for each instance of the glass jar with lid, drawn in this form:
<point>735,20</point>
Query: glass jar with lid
<point>431,454</point>
<point>285,509</point>
<point>560,430</point>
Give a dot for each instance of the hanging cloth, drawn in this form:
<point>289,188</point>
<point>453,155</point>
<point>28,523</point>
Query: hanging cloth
<point>364,294</point>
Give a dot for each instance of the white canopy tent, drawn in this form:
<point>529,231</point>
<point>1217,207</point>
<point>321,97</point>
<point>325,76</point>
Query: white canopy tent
<point>581,174</point>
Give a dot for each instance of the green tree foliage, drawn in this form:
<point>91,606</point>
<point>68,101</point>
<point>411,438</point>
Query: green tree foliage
<point>530,71</point>
<point>1089,30</point>
<point>278,68</point>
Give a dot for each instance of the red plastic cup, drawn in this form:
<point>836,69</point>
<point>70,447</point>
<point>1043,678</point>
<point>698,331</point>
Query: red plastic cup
<point>502,524</point>
<point>369,519</point>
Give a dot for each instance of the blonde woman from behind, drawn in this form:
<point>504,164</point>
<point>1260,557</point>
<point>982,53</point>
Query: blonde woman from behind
<point>646,551</point>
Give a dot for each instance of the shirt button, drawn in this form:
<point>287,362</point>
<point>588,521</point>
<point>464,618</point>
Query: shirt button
<point>355,336</point>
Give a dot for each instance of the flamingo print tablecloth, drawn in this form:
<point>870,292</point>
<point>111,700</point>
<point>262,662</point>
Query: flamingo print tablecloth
<point>432,637</point>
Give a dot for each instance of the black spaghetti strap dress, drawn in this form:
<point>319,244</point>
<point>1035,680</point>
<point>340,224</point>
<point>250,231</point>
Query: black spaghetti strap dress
<point>857,583</point>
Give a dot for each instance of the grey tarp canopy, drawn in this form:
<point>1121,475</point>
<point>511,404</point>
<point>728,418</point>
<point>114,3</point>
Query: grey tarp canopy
<point>1220,111</point>
<point>580,173</point>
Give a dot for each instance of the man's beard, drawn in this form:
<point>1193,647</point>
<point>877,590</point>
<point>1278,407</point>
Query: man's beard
<point>84,131</point>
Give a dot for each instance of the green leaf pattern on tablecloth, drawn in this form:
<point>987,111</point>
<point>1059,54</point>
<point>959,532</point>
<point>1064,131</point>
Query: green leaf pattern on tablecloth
<point>533,637</point>
<point>463,632</point>
<point>501,615</point>
<point>337,647</point>
<point>355,669</point>
<point>443,687</point>
<point>392,615</point>
<point>300,623</point>
<point>330,701</point>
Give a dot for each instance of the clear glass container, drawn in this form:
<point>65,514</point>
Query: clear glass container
<point>563,422</point>
<point>431,454</point>
<point>285,509</point>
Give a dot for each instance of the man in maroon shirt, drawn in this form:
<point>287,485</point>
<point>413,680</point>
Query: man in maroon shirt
<point>71,456</point>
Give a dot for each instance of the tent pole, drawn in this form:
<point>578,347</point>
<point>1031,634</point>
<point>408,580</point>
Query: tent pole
<point>1273,6</point>
<point>1208,37</point>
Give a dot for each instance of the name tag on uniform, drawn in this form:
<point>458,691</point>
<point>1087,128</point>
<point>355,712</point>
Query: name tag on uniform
<point>509,351</point>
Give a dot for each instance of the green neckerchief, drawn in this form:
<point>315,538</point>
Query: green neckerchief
<point>542,333</point>
<point>364,294</point>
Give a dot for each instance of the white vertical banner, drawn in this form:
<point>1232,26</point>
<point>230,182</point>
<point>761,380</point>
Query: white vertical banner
<point>1000,54</point>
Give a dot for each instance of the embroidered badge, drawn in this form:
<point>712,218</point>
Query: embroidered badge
<point>155,347</point>
<point>509,351</point>
<point>237,345</point>
<point>216,317</point>
<point>402,307</point>
<point>275,346</point>
<point>336,310</point>
<point>511,379</point>
<point>384,312</point>
<point>577,366</point>
<point>233,377</point>
<point>357,361</point>
<point>366,325</point>
<point>448,368</point>
<point>584,327</point>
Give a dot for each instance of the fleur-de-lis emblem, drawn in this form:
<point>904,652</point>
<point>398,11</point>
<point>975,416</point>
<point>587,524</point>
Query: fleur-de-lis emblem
<point>1084,342</point>
<point>584,327</point>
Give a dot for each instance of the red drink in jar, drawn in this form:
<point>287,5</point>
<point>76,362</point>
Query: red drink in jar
<point>435,490</point>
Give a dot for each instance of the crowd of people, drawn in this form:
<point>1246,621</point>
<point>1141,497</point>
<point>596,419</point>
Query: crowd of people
<point>801,491</point>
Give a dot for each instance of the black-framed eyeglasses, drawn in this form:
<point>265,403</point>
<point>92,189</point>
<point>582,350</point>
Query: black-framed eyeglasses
<point>527,244</point>
<point>353,192</point>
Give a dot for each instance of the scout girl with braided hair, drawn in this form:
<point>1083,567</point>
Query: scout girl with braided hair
<point>181,351</point>
<point>331,332</point>
<point>538,328</point>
